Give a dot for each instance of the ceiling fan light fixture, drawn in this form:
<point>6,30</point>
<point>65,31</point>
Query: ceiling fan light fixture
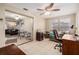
<point>47,13</point>
<point>17,18</point>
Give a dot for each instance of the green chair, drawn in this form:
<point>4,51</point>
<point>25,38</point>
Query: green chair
<point>58,39</point>
<point>51,35</point>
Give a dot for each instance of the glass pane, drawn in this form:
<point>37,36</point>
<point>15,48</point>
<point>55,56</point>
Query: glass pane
<point>54,24</point>
<point>18,28</point>
<point>65,24</point>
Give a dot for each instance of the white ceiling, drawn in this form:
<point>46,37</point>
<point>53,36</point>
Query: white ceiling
<point>65,8</point>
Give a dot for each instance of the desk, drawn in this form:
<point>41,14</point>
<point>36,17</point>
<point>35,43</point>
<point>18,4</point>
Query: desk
<point>70,46</point>
<point>11,50</point>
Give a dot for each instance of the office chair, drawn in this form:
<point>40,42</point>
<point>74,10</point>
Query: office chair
<point>58,39</point>
<point>51,35</point>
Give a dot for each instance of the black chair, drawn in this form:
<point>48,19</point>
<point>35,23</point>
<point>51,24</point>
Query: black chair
<point>58,39</point>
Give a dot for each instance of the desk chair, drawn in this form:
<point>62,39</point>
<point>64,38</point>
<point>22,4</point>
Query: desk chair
<point>51,35</point>
<point>58,40</point>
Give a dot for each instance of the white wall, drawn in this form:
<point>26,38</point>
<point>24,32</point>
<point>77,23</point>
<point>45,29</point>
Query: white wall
<point>39,24</point>
<point>77,19</point>
<point>2,31</point>
<point>77,22</point>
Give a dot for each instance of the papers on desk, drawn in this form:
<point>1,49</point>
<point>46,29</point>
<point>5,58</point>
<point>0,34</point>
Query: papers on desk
<point>69,37</point>
<point>77,38</point>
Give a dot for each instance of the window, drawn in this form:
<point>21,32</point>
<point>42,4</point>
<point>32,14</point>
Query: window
<point>60,24</point>
<point>55,24</point>
<point>65,24</point>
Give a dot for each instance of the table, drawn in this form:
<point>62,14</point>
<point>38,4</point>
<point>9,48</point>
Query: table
<point>11,50</point>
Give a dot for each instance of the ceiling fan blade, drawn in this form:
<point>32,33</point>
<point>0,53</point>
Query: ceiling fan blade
<point>40,9</point>
<point>25,9</point>
<point>50,6</point>
<point>55,10</point>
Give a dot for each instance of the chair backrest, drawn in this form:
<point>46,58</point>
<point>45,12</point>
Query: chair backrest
<point>55,34</point>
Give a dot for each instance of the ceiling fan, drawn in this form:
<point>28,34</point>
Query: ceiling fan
<point>48,8</point>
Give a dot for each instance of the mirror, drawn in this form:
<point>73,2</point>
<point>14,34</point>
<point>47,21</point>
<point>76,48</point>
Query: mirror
<point>18,28</point>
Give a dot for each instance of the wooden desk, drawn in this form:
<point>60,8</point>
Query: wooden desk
<point>70,47</point>
<point>11,50</point>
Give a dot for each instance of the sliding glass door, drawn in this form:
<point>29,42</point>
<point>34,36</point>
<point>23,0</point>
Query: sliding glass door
<point>18,28</point>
